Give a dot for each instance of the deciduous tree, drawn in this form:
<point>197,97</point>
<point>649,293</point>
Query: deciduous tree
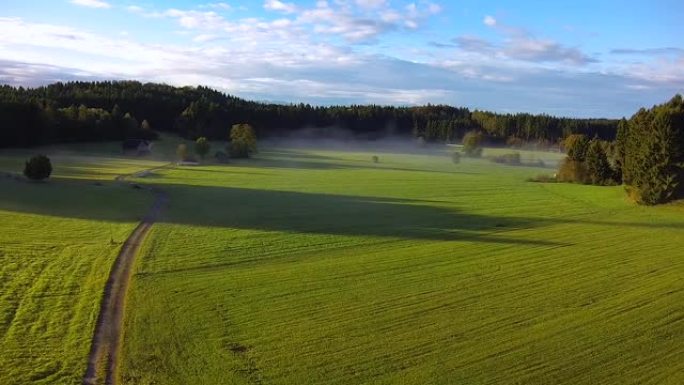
<point>38,167</point>
<point>202,147</point>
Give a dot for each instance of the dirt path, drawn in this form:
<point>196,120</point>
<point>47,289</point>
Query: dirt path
<point>104,352</point>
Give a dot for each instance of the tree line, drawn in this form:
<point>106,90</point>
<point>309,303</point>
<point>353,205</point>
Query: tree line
<point>91,111</point>
<point>647,155</point>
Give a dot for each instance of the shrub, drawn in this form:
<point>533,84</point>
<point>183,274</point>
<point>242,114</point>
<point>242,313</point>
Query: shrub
<point>472,144</point>
<point>544,179</point>
<point>38,167</point>
<point>221,157</point>
<point>376,159</point>
<point>514,142</point>
<point>512,159</point>
<point>456,157</point>
<point>573,171</point>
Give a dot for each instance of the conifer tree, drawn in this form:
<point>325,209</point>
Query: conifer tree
<point>597,164</point>
<point>654,153</point>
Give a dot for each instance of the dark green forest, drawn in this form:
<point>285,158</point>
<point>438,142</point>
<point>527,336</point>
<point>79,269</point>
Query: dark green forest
<point>647,155</point>
<point>93,111</point>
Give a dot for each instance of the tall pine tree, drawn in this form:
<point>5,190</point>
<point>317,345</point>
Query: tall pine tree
<point>654,153</point>
<point>597,164</point>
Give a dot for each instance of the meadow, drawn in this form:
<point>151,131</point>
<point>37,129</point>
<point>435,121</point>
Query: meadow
<point>58,241</point>
<point>313,265</point>
<point>318,266</point>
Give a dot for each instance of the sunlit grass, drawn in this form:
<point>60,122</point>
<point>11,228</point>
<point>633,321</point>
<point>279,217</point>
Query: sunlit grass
<point>58,240</point>
<point>314,266</point>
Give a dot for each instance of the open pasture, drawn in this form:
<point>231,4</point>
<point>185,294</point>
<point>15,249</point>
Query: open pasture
<point>58,241</point>
<point>319,266</point>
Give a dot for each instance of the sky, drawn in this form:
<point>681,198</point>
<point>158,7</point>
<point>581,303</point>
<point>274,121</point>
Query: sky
<point>598,58</point>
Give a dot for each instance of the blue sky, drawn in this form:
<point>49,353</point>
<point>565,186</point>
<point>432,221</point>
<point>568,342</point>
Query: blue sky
<point>575,58</point>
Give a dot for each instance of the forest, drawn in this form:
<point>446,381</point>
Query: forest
<point>95,111</point>
<point>645,152</point>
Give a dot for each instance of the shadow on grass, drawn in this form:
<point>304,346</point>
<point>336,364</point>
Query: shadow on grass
<point>74,198</point>
<point>290,212</point>
<point>298,212</point>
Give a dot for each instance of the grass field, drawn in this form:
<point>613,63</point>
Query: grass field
<point>56,251</point>
<point>319,266</point>
<point>308,266</point>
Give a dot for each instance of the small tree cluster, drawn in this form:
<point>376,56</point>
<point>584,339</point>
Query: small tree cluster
<point>647,155</point>
<point>587,162</point>
<point>38,167</point>
<point>243,141</point>
<point>472,144</point>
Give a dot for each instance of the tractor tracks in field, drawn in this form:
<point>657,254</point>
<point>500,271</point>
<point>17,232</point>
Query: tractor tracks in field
<point>103,359</point>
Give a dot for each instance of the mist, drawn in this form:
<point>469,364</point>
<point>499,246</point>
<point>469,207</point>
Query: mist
<point>342,139</point>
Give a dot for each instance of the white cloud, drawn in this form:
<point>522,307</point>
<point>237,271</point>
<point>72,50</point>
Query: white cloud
<point>371,4</point>
<point>355,21</point>
<point>203,38</point>
<point>197,19</point>
<point>662,70</point>
<point>489,21</point>
<point>91,3</point>
<point>219,6</point>
<point>529,48</point>
<point>263,65</point>
<point>521,45</point>
<point>135,9</point>
<point>365,21</point>
<point>277,5</point>
<point>434,8</point>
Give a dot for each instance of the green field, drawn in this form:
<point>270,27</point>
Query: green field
<point>317,266</point>
<point>58,241</point>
